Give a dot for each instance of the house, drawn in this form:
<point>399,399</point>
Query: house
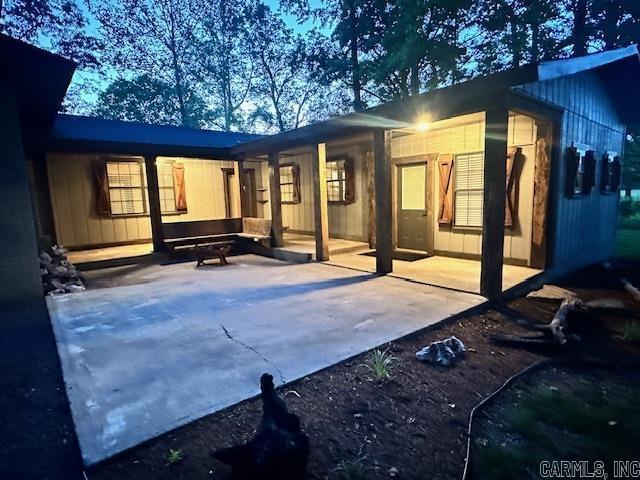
<point>519,169</point>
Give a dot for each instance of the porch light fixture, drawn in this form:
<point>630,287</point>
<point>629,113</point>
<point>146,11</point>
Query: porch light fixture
<point>422,126</point>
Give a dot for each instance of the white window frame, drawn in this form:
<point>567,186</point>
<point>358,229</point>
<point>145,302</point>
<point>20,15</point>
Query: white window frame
<point>126,195</point>
<point>466,185</point>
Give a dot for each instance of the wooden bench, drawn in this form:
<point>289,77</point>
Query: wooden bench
<point>214,238</point>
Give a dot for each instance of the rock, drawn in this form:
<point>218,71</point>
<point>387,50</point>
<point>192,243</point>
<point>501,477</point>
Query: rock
<point>442,352</point>
<point>393,472</point>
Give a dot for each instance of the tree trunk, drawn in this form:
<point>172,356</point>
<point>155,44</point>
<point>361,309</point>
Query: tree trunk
<point>177,74</point>
<point>515,47</point>
<point>355,63</point>
<point>610,27</point>
<point>579,33</point>
<point>415,80</point>
<point>535,41</point>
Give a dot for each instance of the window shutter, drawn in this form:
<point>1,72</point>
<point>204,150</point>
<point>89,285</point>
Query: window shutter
<point>589,175</point>
<point>445,169</point>
<point>295,169</point>
<point>349,181</point>
<point>515,160</point>
<point>616,170</point>
<point>103,202</point>
<point>179,187</point>
<point>573,161</point>
<point>604,174</point>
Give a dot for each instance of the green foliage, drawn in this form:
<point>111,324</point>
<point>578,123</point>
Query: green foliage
<point>356,468</point>
<point>630,332</point>
<point>582,416</point>
<point>380,363</point>
<point>174,456</point>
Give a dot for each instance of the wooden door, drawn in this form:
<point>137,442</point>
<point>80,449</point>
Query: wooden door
<point>412,210</point>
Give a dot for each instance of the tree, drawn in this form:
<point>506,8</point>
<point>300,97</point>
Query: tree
<point>226,66</point>
<point>59,26</point>
<point>631,164</point>
<point>281,75</point>
<point>155,38</point>
<point>420,45</point>
<point>143,99</point>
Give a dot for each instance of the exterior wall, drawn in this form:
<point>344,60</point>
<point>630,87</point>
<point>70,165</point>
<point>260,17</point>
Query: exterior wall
<point>19,270</point>
<point>205,189</point>
<point>466,135</point>
<point>262,186</point>
<point>73,198</point>
<point>584,228</point>
<point>345,221</point>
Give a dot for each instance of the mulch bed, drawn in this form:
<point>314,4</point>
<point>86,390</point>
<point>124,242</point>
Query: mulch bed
<point>411,427</point>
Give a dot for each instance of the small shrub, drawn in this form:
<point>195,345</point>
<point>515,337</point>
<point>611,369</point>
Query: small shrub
<point>174,456</point>
<point>630,332</point>
<point>353,469</point>
<point>380,363</point>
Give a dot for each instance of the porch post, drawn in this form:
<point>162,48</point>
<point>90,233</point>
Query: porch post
<point>242,188</point>
<point>275,200</point>
<point>495,158</point>
<point>382,173</point>
<point>155,212</point>
<point>320,209</point>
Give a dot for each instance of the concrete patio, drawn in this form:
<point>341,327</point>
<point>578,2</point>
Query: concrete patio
<point>149,348</point>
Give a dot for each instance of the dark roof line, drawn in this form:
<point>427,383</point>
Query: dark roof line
<point>87,130</point>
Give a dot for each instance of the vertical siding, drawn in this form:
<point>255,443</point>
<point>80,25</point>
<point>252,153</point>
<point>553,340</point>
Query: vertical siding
<point>345,221</point>
<point>584,228</point>
<point>262,186</point>
<point>466,135</point>
<point>350,221</point>
<point>299,216</point>
<point>204,184</point>
<point>73,200</point>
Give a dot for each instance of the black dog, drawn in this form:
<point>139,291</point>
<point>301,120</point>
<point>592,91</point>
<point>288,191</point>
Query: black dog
<point>279,450</point>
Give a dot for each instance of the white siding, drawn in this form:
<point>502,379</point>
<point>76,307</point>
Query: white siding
<point>73,198</point>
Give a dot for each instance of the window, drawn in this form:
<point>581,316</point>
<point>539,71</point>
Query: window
<point>126,187</point>
<point>340,181</point>
<point>577,187</point>
<point>468,189</point>
<point>167,188</point>
<point>289,183</point>
<point>336,181</point>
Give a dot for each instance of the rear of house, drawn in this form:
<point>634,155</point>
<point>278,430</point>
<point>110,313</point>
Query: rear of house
<point>477,186</point>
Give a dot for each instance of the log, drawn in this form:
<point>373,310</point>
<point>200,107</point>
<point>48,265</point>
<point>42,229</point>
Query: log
<point>633,291</point>
<point>559,322</point>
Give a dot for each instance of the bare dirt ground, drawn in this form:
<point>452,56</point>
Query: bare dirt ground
<point>412,426</point>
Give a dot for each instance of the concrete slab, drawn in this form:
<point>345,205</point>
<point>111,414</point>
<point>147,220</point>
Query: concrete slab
<point>140,359</point>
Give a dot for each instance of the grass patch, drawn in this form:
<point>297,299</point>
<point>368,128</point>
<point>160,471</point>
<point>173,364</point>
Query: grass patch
<point>628,243</point>
<point>630,332</point>
<point>566,415</point>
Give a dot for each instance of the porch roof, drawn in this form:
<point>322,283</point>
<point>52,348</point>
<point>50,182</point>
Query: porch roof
<point>467,97</point>
<point>116,136</point>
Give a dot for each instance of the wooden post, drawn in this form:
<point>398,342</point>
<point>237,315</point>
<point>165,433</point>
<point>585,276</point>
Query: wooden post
<point>155,211</point>
<point>382,173</point>
<point>275,200</point>
<point>495,164</point>
<point>369,172</point>
<point>320,209</point>
<point>242,188</point>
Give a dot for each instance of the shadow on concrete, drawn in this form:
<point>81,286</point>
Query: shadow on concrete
<point>38,438</point>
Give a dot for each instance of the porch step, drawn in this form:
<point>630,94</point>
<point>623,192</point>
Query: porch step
<point>147,259</point>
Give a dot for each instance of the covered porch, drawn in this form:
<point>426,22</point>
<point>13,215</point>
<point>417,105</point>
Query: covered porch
<point>461,185</point>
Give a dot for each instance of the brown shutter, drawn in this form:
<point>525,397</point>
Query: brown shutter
<point>179,187</point>
<point>295,172</point>
<point>350,184</point>
<point>589,173</point>
<point>604,174</point>
<point>515,161</point>
<point>101,182</point>
<point>573,161</point>
<point>445,170</point>
<point>616,170</point>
